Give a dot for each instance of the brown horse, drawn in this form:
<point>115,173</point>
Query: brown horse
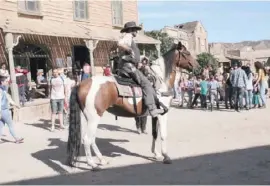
<point>121,97</point>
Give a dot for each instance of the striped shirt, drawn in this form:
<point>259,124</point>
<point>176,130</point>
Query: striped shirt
<point>238,78</point>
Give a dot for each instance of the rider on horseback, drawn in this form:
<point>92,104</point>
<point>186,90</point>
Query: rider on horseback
<point>129,58</point>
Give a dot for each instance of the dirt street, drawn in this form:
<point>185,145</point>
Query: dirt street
<point>219,147</point>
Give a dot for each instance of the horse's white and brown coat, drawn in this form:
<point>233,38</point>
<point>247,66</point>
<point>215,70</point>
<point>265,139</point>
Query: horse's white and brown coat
<point>98,94</point>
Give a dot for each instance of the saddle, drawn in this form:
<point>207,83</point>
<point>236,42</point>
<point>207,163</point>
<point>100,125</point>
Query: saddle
<point>126,86</point>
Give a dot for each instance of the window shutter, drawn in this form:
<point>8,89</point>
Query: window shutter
<point>86,9</point>
<point>117,13</point>
<point>81,9</point>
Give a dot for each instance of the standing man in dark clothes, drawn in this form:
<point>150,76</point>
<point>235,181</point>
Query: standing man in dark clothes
<point>228,91</point>
<point>21,81</point>
<point>238,79</point>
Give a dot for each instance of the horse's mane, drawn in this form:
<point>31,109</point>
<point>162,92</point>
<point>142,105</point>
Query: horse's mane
<point>168,60</point>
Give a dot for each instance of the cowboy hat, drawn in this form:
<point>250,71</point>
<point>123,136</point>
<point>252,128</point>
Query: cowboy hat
<point>129,25</point>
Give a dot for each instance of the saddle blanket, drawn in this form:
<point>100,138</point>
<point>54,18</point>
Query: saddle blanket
<point>126,90</point>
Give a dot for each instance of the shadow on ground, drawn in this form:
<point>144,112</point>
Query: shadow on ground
<point>46,125</point>
<point>115,128</point>
<point>57,152</point>
<point>247,166</point>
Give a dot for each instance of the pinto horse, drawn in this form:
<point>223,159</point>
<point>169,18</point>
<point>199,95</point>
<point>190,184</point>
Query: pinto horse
<point>92,97</point>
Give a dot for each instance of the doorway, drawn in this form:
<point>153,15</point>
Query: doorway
<point>81,56</point>
<point>35,64</point>
<point>31,57</point>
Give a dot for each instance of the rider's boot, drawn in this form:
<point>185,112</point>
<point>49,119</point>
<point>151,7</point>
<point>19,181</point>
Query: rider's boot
<point>161,105</point>
<point>164,108</point>
<point>154,112</point>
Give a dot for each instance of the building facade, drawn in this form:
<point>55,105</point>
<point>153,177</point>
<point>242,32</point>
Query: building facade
<point>47,34</point>
<point>193,34</point>
<point>246,54</point>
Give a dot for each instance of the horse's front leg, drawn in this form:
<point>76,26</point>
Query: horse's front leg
<point>163,134</point>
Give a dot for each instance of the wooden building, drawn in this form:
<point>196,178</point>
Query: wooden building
<point>45,34</point>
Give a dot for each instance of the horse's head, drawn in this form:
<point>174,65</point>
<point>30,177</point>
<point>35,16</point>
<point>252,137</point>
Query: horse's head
<point>178,56</point>
<point>184,59</point>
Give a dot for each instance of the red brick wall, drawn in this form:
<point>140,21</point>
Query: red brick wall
<point>101,53</point>
<point>3,54</point>
<point>58,47</point>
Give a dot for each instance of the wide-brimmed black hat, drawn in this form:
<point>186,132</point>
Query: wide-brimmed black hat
<point>129,25</point>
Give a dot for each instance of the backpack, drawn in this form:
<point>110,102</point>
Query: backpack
<point>60,77</point>
<point>51,83</point>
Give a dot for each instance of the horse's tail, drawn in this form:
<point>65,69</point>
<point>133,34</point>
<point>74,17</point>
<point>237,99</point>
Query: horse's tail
<point>74,137</point>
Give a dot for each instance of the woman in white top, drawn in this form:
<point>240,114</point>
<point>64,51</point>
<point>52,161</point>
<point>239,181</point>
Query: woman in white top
<point>249,88</point>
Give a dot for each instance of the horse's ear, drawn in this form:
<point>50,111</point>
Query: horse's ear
<point>179,46</point>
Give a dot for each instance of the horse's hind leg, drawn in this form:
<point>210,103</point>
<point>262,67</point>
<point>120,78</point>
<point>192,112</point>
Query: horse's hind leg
<point>155,134</point>
<point>92,125</point>
<point>86,137</point>
<point>163,134</point>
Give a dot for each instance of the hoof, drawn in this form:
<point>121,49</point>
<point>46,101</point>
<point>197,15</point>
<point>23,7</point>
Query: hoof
<point>158,158</point>
<point>97,168</point>
<point>104,162</point>
<point>167,160</point>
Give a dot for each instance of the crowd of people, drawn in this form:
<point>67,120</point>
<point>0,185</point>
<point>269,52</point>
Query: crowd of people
<point>239,88</point>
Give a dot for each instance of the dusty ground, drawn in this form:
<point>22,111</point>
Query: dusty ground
<point>219,147</point>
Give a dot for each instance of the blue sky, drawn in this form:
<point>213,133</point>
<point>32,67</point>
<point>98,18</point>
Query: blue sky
<point>225,21</point>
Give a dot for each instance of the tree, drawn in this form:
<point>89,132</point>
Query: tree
<point>206,59</point>
<point>166,43</point>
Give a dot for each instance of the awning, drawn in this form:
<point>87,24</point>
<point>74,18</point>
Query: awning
<point>108,34</point>
<point>43,27</point>
<point>236,57</point>
<point>222,58</point>
<point>61,29</point>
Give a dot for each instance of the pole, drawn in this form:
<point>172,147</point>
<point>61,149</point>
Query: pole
<point>9,47</point>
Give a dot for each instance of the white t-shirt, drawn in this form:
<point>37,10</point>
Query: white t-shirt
<point>126,39</point>
<point>57,88</point>
<point>69,84</point>
<point>5,73</point>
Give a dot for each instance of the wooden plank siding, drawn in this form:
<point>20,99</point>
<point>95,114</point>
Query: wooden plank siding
<point>99,15</point>
<point>100,12</point>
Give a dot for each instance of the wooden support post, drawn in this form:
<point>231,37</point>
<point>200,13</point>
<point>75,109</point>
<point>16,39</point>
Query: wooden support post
<point>9,41</point>
<point>91,45</point>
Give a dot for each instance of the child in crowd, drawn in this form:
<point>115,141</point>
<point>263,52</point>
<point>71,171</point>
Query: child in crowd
<point>256,96</point>
<point>203,86</point>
